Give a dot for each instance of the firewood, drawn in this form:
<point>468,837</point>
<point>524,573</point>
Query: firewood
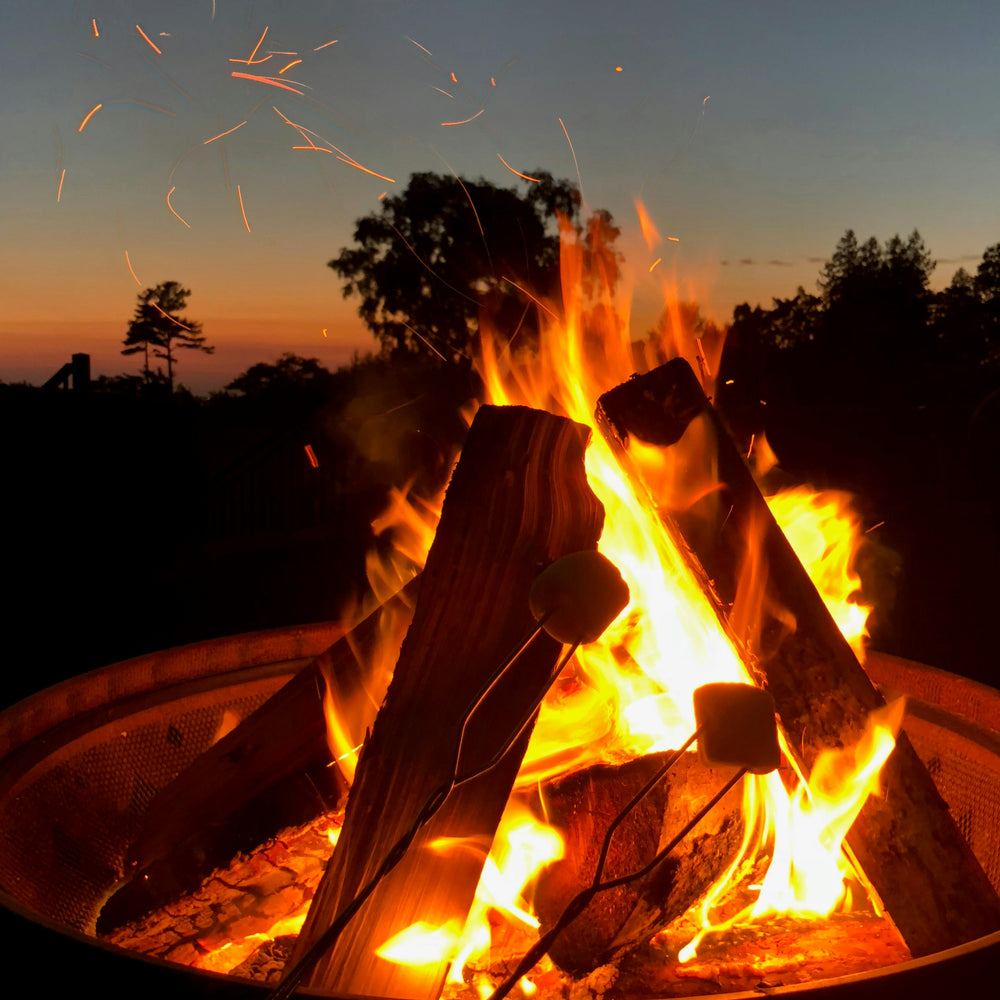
<point>271,771</point>
<point>905,840</point>
<point>583,805</point>
<point>778,952</point>
<point>517,501</point>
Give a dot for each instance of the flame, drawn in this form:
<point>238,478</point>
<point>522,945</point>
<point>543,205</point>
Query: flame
<point>808,875</point>
<point>630,693</point>
<point>825,532</point>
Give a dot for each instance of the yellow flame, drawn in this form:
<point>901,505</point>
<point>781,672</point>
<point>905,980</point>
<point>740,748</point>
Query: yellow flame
<point>825,531</point>
<point>421,944</point>
<point>631,692</point>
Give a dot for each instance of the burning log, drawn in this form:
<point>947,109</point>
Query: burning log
<point>906,841</point>
<point>271,771</point>
<point>518,500</point>
<point>582,806</point>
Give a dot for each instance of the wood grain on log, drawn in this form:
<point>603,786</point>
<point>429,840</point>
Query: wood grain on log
<point>582,807</point>
<point>518,500</point>
<point>906,841</point>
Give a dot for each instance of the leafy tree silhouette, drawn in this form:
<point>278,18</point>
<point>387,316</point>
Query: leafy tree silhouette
<point>446,252</point>
<point>289,375</point>
<point>158,329</point>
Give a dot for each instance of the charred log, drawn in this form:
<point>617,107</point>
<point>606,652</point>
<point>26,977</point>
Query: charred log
<point>271,771</point>
<point>906,841</point>
<point>582,807</point>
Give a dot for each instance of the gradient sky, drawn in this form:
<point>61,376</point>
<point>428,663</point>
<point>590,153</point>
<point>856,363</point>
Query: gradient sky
<point>755,133</point>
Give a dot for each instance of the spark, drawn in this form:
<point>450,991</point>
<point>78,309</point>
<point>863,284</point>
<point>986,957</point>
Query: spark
<point>326,44</point>
<point>579,179</point>
<point>874,526</point>
<point>354,163</point>
<point>538,302</point>
<point>534,180</point>
<point>172,319</point>
<point>674,239</point>
<point>148,40</point>
<point>263,34</point>
<point>416,333</point>
<point>445,92</point>
<point>650,234</point>
<point>90,114</point>
<point>618,69</point>
<point>707,99</point>
<point>419,46</point>
<point>316,149</point>
<point>278,52</point>
<point>466,120</point>
<point>221,134</point>
<point>171,207</point>
<point>239,194</point>
<point>655,262</point>
<point>294,62</point>
<point>268,80</point>
<point>702,360</point>
<point>454,79</point>
<point>311,455</point>
<point>93,22</point>
<point>62,177</point>
<point>382,195</point>
<point>753,437</point>
<point>180,159</point>
<point>493,81</point>
<point>143,104</point>
<point>130,271</point>
<point>324,331</point>
<point>428,268</point>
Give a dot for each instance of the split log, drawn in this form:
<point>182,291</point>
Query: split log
<point>905,840</point>
<point>778,952</point>
<point>272,771</point>
<point>518,500</point>
<point>582,807</point>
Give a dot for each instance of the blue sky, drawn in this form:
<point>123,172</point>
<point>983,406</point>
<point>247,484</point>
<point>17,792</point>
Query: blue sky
<point>756,133</point>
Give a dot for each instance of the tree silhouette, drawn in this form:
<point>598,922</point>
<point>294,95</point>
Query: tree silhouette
<point>158,329</point>
<point>435,259</point>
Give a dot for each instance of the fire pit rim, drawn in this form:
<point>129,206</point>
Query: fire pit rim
<point>63,710</point>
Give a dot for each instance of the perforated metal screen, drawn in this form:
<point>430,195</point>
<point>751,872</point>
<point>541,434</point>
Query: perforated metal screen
<point>67,819</point>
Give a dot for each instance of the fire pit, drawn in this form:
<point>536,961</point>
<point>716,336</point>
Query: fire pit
<point>80,762</point>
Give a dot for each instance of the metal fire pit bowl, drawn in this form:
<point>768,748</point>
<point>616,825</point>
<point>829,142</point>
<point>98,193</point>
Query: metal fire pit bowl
<point>80,762</point>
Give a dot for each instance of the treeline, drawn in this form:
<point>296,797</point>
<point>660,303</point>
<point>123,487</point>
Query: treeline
<point>873,333</point>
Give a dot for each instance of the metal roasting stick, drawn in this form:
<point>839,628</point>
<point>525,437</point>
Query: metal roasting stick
<point>582,899</point>
<point>294,976</point>
<point>735,725</point>
<point>574,599</point>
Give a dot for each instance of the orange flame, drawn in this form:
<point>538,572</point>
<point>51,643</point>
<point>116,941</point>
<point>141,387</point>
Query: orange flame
<point>630,693</point>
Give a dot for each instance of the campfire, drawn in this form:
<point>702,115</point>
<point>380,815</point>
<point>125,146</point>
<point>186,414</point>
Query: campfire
<point>504,756</point>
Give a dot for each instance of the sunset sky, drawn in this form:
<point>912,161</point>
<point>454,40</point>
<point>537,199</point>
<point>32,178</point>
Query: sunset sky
<point>755,133</point>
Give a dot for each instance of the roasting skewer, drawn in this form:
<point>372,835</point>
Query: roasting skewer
<point>574,600</point>
<point>735,725</point>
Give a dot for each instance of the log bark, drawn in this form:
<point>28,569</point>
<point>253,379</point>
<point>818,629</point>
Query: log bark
<point>905,840</point>
<point>518,500</point>
<point>582,807</point>
<point>271,771</point>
